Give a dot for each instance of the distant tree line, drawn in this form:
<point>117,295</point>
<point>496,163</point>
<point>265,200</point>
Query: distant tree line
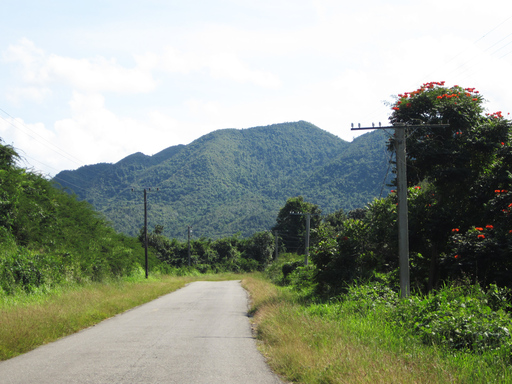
<point>234,253</point>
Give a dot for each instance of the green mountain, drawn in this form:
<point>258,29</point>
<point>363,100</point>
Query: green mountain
<point>234,180</point>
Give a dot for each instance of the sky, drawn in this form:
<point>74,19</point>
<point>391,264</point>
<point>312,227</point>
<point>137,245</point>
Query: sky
<point>84,82</point>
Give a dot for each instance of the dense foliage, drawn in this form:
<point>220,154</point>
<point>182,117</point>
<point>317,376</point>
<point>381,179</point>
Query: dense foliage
<point>233,253</point>
<point>459,197</point>
<point>48,237</point>
<point>231,181</point>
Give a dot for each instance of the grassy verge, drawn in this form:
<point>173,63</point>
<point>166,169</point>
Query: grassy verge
<point>30,321</point>
<point>308,343</point>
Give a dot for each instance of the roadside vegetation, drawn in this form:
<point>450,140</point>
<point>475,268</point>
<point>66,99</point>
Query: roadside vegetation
<point>458,334</point>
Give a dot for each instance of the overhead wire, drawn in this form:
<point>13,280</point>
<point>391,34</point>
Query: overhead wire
<point>458,70</point>
<point>37,137</point>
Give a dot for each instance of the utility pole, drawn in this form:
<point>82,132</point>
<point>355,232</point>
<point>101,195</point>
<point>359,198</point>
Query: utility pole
<point>146,228</point>
<point>189,231</point>
<point>276,251</point>
<point>146,231</point>
<point>306,239</point>
<point>403,220</point>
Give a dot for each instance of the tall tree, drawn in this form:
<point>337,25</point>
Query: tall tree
<point>462,164</point>
<point>291,222</point>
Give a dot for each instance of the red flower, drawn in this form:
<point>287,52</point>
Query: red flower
<point>457,256</point>
<point>417,187</point>
<point>479,229</point>
<point>489,227</point>
<point>481,236</point>
<point>455,230</point>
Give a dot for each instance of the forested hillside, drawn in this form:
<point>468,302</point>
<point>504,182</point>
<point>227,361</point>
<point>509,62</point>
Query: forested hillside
<point>232,180</point>
<point>48,238</point>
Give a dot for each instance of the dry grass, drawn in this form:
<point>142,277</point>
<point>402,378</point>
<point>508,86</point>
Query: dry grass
<point>305,348</point>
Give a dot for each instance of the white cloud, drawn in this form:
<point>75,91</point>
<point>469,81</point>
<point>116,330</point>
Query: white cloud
<point>87,74</point>
<point>99,75</point>
<point>229,66</point>
<point>31,93</point>
<point>220,65</point>
<point>31,59</point>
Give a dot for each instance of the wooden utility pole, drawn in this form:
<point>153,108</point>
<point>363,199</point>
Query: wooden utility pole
<point>146,229</point>
<point>189,231</point>
<point>403,220</point>
<point>276,251</point>
<point>306,237</point>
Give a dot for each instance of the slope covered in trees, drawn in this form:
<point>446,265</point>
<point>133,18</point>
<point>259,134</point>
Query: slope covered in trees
<point>48,238</point>
<point>232,181</point>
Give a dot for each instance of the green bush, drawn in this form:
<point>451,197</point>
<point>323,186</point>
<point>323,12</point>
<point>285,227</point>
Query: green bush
<point>464,317</point>
<point>458,318</point>
<point>301,278</point>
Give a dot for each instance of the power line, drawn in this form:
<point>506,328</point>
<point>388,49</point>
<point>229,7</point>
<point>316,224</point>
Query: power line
<point>37,137</point>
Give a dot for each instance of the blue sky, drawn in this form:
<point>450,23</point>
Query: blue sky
<point>83,82</point>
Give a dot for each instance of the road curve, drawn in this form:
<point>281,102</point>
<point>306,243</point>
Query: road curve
<point>198,334</point>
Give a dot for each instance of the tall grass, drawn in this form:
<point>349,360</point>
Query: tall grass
<point>334,343</point>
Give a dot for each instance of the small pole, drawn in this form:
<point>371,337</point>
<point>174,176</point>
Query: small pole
<point>189,245</point>
<point>146,230</point>
<point>306,240</point>
<point>308,224</point>
<point>276,251</point>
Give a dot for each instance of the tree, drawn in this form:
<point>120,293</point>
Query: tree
<point>291,223</point>
<point>260,247</point>
<point>461,165</point>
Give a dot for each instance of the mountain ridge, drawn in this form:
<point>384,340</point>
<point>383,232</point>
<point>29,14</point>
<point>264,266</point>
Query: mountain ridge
<point>234,180</point>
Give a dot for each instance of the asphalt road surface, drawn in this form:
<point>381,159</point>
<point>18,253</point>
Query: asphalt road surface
<point>198,334</point>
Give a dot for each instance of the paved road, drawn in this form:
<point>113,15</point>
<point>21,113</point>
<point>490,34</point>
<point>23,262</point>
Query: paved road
<point>198,334</point>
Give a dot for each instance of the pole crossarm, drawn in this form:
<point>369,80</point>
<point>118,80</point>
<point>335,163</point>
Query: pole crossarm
<point>400,126</point>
